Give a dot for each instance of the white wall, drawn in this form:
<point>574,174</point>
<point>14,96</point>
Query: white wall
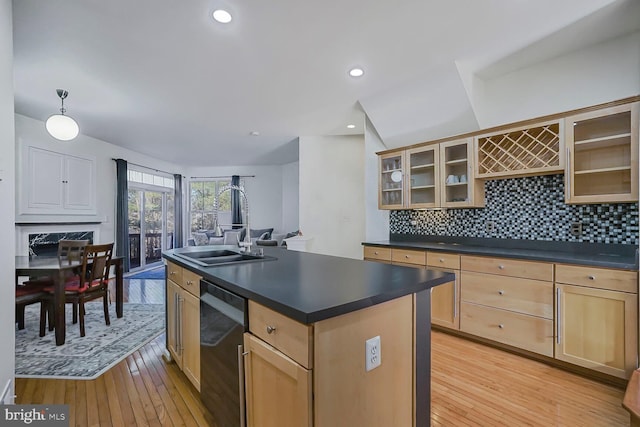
<point>7,195</point>
<point>376,220</point>
<point>600,73</point>
<point>264,191</point>
<point>332,186</point>
<point>32,132</point>
<point>290,197</point>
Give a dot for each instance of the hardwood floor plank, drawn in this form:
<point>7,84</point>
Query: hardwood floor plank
<point>80,404</point>
<point>70,399</point>
<point>134,398</point>
<point>151,388</point>
<point>93,418</point>
<point>145,399</point>
<point>104,413</point>
<point>112,397</point>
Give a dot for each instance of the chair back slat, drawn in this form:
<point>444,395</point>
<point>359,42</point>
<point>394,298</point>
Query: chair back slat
<point>71,250</point>
<point>96,262</point>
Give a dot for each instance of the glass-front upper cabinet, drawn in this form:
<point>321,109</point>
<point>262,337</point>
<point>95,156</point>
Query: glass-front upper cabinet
<point>391,176</point>
<point>423,186</point>
<point>459,188</point>
<point>602,153</point>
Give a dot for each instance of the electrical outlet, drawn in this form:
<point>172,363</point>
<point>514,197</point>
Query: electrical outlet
<point>413,222</point>
<point>576,228</point>
<point>373,353</point>
<point>490,226</point>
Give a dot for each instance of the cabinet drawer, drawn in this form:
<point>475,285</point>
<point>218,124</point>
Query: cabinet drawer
<point>174,273</point>
<point>525,296</point>
<point>602,278</point>
<point>377,253</point>
<point>443,260</point>
<point>519,330</point>
<point>285,334</point>
<point>191,282</point>
<point>508,267</point>
<point>407,256</point>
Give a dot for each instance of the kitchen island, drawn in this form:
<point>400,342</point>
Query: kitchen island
<point>309,317</point>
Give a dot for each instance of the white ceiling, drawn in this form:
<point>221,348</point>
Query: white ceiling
<point>162,78</point>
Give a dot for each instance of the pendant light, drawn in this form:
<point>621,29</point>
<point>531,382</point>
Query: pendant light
<point>59,126</point>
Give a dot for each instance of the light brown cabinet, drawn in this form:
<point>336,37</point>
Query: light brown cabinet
<point>304,375</point>
<point>433,176</point>
<point>458,176</point>
<point>445,299</point>
<point>596,322</point>
<point>602,152</point>
<point>508,301</point>
<point>183,320</point>
<point>522,151</point>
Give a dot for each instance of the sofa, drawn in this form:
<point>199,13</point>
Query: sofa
<point>259,237</point>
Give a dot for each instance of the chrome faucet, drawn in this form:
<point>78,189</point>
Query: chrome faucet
<point>217,230</point>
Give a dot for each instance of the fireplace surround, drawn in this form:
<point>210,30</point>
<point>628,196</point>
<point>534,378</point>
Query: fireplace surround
<point>42,239</point>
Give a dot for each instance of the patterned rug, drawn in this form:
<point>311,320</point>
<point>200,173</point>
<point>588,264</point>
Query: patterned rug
<point>85,358</point>
<point>154,274</point>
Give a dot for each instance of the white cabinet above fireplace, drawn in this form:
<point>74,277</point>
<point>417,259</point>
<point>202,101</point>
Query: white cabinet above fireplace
<point>57,184</point>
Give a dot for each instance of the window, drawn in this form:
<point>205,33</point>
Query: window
<point>201,205</point>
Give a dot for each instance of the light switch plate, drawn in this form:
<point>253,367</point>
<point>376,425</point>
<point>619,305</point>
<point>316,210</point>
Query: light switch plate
<point>373,353</point>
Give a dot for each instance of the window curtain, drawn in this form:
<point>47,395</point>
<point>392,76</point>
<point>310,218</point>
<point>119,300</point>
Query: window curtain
<point>178,237</point>
<point>122,213</point>
<point>236,207</point>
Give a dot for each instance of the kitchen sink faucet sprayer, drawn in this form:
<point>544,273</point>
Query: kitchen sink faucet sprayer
<point>246,245</point>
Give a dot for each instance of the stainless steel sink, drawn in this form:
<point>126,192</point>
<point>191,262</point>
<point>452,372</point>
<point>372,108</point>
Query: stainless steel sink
<point>210,257</point>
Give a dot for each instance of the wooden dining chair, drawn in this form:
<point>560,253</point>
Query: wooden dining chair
<point>92,282</point>
<point>33,290</point>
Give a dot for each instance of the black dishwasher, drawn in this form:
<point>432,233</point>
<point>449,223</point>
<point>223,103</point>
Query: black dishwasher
<point>223,320</point>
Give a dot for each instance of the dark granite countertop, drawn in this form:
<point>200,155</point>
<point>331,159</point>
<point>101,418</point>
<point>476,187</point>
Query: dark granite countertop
<point>593,254</point>
<point>310,287</point>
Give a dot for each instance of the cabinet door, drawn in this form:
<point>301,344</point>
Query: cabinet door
<point>602,152</point>
<point>597,329</point>
<point>391,181</point>
<point>44,180</point>
<point>423,177</point>
<point>278,390</point>
<point>173,321</point>
<point>459,188</point>
<point>445,302</point>
<point>79,185</point>
<point>190,311</point>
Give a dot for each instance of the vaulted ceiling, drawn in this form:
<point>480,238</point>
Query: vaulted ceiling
<point>163,78</point>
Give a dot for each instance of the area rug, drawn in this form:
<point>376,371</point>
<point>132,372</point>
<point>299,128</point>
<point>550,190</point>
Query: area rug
<point>155,273</point>
<point>88,357</point>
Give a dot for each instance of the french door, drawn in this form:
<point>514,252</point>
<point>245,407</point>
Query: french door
<point>151,225</point>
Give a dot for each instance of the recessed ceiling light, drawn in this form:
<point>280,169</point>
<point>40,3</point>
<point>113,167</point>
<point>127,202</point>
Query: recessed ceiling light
<point>254,133</point>
<point>356,72</point>
<point>351,126</point>
<point>222,16</point>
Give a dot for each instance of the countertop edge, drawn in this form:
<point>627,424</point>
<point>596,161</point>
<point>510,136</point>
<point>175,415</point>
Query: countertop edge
<point>523,254</point>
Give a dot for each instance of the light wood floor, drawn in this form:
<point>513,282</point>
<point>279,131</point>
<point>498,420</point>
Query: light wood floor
<point>472,385</point>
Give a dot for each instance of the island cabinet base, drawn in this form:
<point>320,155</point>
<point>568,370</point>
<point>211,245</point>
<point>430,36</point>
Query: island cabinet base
<point>337,390</point>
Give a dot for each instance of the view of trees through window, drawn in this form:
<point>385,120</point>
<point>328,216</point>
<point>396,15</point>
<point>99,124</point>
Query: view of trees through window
<point>201,204</point>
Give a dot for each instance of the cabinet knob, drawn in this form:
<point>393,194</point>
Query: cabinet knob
<point>501,267</point>
<point>592,277</point>
<point>271,329</point>
<point>172,273</point>
<point>406,256</point>
<point>501,326</point>
<point>189,283</point>
<point>375,252</point>
<point>501,292</point>
<point>441,260</point>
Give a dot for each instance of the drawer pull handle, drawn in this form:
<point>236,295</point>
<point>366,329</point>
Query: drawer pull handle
<point>501,326</point>
<point>501,292</point>
<point>592,277</point>
<point>501,267</point>
<point>171,273</point>
<point>189,283</point>
<point>271,329</point>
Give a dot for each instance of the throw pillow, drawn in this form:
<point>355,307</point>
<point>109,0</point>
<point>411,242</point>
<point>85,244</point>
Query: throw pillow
<point>231,237</point>
<point>201,239</point>
<point>264,236</point>
<point>257,232</point>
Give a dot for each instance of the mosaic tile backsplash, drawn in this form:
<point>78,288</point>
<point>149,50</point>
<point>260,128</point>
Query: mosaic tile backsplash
<point>530,208</point>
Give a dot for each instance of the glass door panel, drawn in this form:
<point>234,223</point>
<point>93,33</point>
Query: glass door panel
<point>135,208</point>
<point>153,226</point>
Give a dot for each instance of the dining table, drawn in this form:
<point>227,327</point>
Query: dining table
<point>51,266</point>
